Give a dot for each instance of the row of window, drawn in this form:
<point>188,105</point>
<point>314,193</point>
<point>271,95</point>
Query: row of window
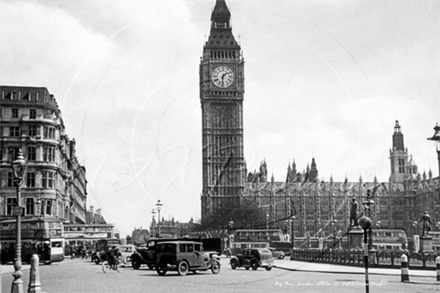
<point>30,96</point>
<point>30,206</point>
<point>32,113</point>
<point>32,131</point>
<point>47,179</point>
<point>31,154</point>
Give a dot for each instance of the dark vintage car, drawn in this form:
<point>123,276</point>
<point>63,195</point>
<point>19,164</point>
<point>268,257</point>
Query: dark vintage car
<point>147,255</point>
<point>102,247</point>
<point>185,256</point>
<point>253,258</point>
<point>279,254</point>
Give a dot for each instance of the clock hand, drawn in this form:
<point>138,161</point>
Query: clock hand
<point>223,77</point>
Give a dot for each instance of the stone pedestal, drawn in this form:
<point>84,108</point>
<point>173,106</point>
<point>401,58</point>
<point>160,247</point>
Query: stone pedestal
<point>355,238</point>
<point>426,244</point>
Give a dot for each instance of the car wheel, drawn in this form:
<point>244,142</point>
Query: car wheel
<point>97,261</point>
<point>234,264</point>
<point>135,264</point>
<point>268,268</point>
<point>161,272</point>
<point>182,268</point>
<point>215,267</point>
<point>254,265</point>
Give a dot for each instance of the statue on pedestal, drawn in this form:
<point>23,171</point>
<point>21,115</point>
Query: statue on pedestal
<point>353,213</point>
<point>426,226</point>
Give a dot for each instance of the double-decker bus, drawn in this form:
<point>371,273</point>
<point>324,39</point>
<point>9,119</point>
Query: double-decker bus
<point>389,239</point>
<point>249,238</point>
<point>43,236</point>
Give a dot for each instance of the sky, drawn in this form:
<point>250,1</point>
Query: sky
<point>324,79</point>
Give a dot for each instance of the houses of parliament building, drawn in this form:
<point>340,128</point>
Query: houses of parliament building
<point>315,203</point>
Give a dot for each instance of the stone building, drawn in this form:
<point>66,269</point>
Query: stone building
<point>318,204</point>
<point>221,97</point>
<point>172,228</point>
<point>315,203</point>
<point>55,183</point>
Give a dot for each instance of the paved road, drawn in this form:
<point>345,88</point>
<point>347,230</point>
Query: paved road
<point>77,275</point>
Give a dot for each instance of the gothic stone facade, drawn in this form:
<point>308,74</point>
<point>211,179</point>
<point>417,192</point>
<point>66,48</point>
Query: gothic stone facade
<point>315,203</point>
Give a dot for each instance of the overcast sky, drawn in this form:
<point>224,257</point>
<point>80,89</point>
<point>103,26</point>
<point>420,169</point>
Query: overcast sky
<point>324,79</point>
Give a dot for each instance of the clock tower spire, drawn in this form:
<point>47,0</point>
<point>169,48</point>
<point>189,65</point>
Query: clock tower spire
<point>221,97</point>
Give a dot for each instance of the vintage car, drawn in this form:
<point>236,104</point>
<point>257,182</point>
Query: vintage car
<point>279,254</point>
<point>125,250</point>
<point>144,255</point>
<point>185,256</point>
<point>147,255</point>
<point>253,258</point>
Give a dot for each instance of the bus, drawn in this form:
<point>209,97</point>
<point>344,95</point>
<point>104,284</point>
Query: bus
<point>389,239</point>
<point>43,236</point>
<point>250,238</point>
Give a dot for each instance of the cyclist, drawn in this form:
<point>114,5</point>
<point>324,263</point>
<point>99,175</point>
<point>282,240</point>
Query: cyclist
<point>113,256</point>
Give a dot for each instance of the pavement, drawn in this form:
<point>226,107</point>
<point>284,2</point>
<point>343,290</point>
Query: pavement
<point>294,265</point>
<point>9,268</point>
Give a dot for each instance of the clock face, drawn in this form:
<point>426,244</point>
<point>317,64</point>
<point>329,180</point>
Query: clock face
<point>222,76</point>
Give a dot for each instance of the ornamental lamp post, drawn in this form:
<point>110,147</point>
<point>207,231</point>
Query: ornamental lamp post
<point>153,213</point>
<point>365,224</point>
<point>159,208</point>
<point>267,220</point>
<point>19,166</point>
<point>414,224</point>
<point>231,234</point>
<point>378,225</point>
<point>436,138</point>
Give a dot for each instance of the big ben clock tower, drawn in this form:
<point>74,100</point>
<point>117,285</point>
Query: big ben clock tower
<point>221,97</point>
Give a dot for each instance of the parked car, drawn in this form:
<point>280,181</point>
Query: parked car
<point>185,256</point>
<point>253,258</point>
<point>279,254</point>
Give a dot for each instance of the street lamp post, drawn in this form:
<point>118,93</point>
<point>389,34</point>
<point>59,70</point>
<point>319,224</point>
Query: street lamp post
<point>231,234</point>
<point>19,166</point>
<point>158,207</point>
<point>267,220</point>
<point>153,213</point>
<point>365,224</point>
<point>414,224</point>
<point>436,139</point>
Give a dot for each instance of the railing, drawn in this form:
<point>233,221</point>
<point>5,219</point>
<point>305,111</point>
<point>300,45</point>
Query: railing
<point>376,259</point>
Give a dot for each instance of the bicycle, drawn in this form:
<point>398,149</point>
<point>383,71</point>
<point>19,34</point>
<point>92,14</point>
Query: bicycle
<point>118,266</point>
